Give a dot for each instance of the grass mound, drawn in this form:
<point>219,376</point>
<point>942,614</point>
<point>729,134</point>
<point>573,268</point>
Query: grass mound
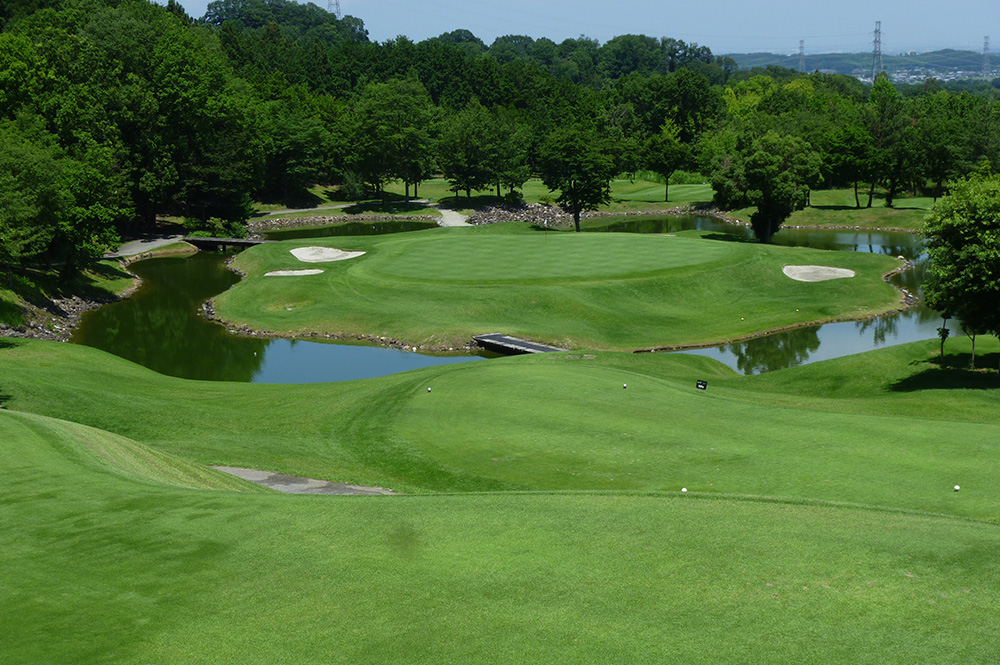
<point>39,448</point>
<point>440,287</point>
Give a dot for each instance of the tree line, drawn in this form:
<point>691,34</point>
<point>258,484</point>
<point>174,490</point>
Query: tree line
<point>114,111</point>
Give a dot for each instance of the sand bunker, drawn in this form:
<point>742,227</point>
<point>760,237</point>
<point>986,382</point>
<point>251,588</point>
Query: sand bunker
<point>323,254</point>
<point>816,273</point>
<point>292,273</point>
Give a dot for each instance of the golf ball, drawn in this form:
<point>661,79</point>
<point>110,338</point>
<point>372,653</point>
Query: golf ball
<point>428,389</point>
<point>624,385</point>
<point>684,489</point>
<point>957,488</point>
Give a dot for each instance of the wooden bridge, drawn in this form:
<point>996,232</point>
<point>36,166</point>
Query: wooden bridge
<point>510,346</point>
<point>222,243</point>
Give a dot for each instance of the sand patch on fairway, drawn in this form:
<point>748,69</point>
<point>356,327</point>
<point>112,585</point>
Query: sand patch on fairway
<point>816,273</point>
<point>292,273</point>
<point>323,254</point>
<point>299,485</point>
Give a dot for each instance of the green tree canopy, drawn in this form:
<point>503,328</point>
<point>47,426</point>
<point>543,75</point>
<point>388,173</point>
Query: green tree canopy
<point>574,161</point>
<point>963,242</point>
<point>773,173</point>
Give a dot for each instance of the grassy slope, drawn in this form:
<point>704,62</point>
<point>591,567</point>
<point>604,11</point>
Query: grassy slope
<point>98,565</point>
<point>551,422</point>
<point>628,292</point>
<point>100,281</point>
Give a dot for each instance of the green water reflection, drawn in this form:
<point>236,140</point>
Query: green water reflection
<point>158,326</point>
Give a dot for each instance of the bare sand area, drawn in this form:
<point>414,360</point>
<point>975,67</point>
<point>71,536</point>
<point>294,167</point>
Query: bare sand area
<point>816,273</point>
<point>292,273</point>
<point>323,254</point>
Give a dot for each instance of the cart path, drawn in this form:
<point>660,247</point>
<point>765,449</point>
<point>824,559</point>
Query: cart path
<point>297,484</point>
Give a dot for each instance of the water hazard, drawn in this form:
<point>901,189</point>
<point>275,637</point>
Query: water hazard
<point>160,326</point>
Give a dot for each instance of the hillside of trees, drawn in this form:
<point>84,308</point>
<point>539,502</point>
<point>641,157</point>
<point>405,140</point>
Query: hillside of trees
<point>115,111</point>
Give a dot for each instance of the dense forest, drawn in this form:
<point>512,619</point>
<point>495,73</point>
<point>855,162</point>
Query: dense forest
<point>115,111</point>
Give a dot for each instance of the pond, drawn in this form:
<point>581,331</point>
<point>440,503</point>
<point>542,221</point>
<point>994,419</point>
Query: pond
<point>160,326</point>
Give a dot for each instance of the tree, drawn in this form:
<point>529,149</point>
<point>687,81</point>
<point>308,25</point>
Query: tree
<point>573,161</point>
<point>774,173</point>
<point>890,159</point>
<point>963,243</point>
<point>31,198</point>
<point>466,149</point>
<point>389,127</point>
<point>664,153</point>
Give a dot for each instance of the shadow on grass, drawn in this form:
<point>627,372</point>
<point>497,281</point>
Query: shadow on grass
<point>42,287</point>
<point>476,202</point>
<point>391,207</point>
<point>951,373</point>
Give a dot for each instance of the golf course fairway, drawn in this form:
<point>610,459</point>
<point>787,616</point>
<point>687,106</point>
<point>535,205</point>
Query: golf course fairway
<point>438,288</point>
<point>105,564</point>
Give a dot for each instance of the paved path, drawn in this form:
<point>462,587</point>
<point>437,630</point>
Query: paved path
<point>133,247</point>
<point>297,484</point>
<point>450,217</point>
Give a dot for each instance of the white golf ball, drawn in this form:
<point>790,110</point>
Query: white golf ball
<point>684,489</point>
<point>624,385</point>
<point>957,488</point>
<point>428,389</point>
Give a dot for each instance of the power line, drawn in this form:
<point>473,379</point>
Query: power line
<point>877,51</point>
<point>986,56</point>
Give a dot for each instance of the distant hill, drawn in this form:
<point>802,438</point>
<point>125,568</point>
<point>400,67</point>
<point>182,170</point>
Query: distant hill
<point>946,63</point>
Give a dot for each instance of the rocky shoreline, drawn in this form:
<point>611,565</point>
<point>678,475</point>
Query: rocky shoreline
<point>260,226</point>
<point>555,217</point>
<point>55,320</point>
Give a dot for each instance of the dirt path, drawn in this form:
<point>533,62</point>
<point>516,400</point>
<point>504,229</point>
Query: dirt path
<point>142,245</point>
<point>299,485</point>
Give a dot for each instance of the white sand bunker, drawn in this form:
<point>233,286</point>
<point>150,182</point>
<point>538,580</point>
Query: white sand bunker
<point>292,273</point>
<point>816,273</point>
<point>323,254</point>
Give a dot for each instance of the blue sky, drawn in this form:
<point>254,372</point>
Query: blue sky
<point>722,25</point>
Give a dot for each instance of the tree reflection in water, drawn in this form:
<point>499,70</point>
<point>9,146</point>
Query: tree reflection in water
<point>766,354</point>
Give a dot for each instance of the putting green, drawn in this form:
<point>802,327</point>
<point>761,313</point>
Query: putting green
<point>438,288</point>
<point>543,256</point>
